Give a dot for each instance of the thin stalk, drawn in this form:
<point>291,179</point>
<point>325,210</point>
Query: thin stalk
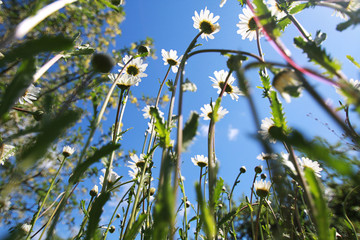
<point>198,209</point>
<point>46,66</point>
<point>84,221</point>
<point>225,51</point>
<point>185,223</point>
<point>251,212</point>
<point>258,218</point>
<point>114,213</point>
<point>45,198</point>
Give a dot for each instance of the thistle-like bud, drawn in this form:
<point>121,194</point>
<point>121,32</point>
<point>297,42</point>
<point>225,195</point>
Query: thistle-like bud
<point>263,176</point>
<point>143,51</point>
<point>258,169</point>
<point>94,191</point>
<point>243,169</point>
<point>102,62</point>
<point>152,191</point>
<point>288,84</point>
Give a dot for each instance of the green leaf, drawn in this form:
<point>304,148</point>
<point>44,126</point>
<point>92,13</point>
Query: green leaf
<point>266,19</point>
<point>135,229</point>
<point>215,115</point>
<point>95,214</point>
<point>321,212</point>
<point>18,86</point>
<point>278,116</point>
<point>83,208</point>
<point>209,223</point>
<point>299,8</point>
<point>82,167</point>
<point>228,216</point>
<point>353,61</point>
<point>318,55</point>
<point>217,191</point>
<point>160,128</point>
<point>108,4</point>
<point>32,48</point>
<point>80,50</point>
<point>50,131</point>
<point>283,23</point>
<point>189,130</point>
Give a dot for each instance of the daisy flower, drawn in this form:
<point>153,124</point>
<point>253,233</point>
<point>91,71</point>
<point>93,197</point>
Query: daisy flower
<point>206,22</point>
<point>314,165</point>
<point>189,86</point>
<point>200,161</point>
<point>266,156</point>
<point>276,10</point>
<point>262,188</point>
<point>354,83</point>
<point>136,161</point>
<point>124,81</point>
<point>288,84</point>
<point>266,124</point>
<point>207,112</point>
<point>247,25</point>
<point>113,177</point>
<point>172,59</point>
<point>6,151</point>
<point>147,114</point>
<point>219,82</point>
<point>134,69</point>
<point>30,95</point>
<point>353,6</point>
<point>68,151</point>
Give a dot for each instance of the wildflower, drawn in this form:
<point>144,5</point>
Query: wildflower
<point>143,50</point>
<point>353,6</point>
<point>207,112</point>
<point>258,169</point>
<point>247,25</point>
<point>6,151</point>
<point>112,229</point>
<point>189,86</point>
<point>276,10</point>
<point>124,81</point>
<point>113,177</point>
<point>206,22</point>
<point>354,83</point>
<point>152,191</point>
<point>171,58</point>
<point>147,114</point>
<point>288,84</point>
<point>136,161</point>
<point>266,124</point>
<point>200,160</point>
<point>219,82</point>
<point>267,156</point>
<point>68,151</point>
<point>314,165</point>
<point>243,169</point>
<point>26,228</point>
<point>134,172</point>
<point>30,95</point>
<point>134,69</point>
<point>262,188</point>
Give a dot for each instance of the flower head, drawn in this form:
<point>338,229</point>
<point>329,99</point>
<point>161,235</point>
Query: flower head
<point>147,114</point>
<point>354,83</point>
<point>6,151</point>
<point>189,86</point>
<point>247,25</point>
<point>206,22</point>
<point>124,81</point>
<point>266,124</point>
<point>288,84</point>
<point>353,6</point>
<point>172,59</point>
<point>136,161</point>
<point>262,188</point>
<point>68,151</point>
<point>200,161</point>
<point>219,82</point>
<point>267,156</point>
<point>314,165</point>
<point>30,95</point>
<point>207,111</point>
<point>134,69</point>
<point>113,177</point>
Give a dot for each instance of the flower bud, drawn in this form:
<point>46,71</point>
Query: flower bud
<point>152,191</point>
<point>234,62</point>
<point>38,115</point>
<point>112,229</point>
<point>94,191</point>
<point>26,228</point>
<point>118,215</point>
<point>288,84</point>
<point>243,169</point>
<point>67,151</point>
<point>263,176</point>
<point>115,2</point>
<point>258,169</point>
<point>187,204</point>
<point>143,51</point>
<point>102,62</point>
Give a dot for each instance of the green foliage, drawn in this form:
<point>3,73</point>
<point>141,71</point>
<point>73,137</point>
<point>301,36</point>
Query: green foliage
<point>161,128</point>
<point>134,230</point>
<point>217,192</point>
<point>353,61</point>
<point>318,55</point>
<point>206,217</point>
<point>189,130</point>
<point>267,21</point>
<point>278,115</point>
<point>321,212</point>
<point>18,86</point>
<point>98,154</point>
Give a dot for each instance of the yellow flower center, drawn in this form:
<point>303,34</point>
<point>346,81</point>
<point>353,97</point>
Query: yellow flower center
<point>133,70</point>
<point>171,62</point>
<point>207,27</point>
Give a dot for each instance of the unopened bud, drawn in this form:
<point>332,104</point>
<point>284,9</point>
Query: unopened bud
<point>94,191</point>
<point>243,169</point>
<point>187,204</point>
<point>152,191</point>
<point>38,115</point>
<point>143,51</point>
<point>102,62</point>
<point>263,176</point>
<point>288,84</point>
<point>112,229</point>
<point>115,2</point>
<point>258,169</point>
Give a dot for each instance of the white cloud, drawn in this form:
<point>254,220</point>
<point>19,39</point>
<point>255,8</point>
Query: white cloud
<point>232,133</point>
<point>204,129</point>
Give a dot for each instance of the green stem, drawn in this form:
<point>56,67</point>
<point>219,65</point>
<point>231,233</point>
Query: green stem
<point>82,226</point>
<point>46,196</point>
<point>258,218</point>
<point>198,209</point>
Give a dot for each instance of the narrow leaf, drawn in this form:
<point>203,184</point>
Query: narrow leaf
<point>209,223</point>
<point>135,229</point>
<point>190,129</point>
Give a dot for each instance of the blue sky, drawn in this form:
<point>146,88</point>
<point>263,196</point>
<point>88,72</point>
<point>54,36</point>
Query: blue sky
<point>170,24</point>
